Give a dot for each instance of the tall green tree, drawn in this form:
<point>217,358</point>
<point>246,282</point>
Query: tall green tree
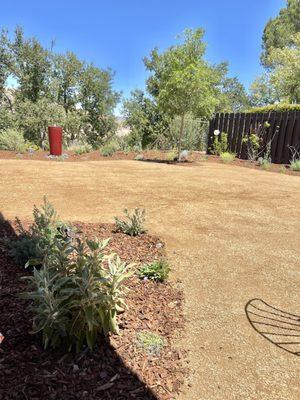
<point>147,123</point>
<point>98,100</point>
<point>279,31</point>
<point>181,80</point>
<point>263,92</point>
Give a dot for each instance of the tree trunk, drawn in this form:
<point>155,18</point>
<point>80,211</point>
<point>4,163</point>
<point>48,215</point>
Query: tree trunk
<point>180,135</point>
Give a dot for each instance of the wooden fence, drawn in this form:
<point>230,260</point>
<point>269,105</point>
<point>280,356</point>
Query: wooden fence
<point>283,131</point>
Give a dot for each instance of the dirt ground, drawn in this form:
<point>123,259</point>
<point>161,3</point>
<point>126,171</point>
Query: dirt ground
<point>232,234</point>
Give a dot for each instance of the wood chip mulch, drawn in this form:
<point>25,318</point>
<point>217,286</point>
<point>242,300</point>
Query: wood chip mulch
<point>116,370</point>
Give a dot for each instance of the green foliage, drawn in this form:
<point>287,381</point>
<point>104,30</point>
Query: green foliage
<point>295,165</point>
<point>12,140</point>
<point>77,293</point>
<point>280,107</point>
<point>279,31</point>
<point>227,157</point>
<point>156,271</point>
<point>171,155</point>
<point>263,94</point>
<point>133,224</point>
<point>220,144</point>
<point>33,243</point>
<point>151,342</point>
<point>233,96</point>
<point>108,149</point>
<point>264,163</point>
<point>85,148</point>
<point>282,169</point>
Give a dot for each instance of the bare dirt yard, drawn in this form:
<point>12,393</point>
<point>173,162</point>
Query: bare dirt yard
<point>232,234</point>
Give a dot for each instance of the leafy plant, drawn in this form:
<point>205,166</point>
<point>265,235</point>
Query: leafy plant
<point>151,342</point>
<point>77,293</point>
<point>108,150</point>
<point>156,271</point>
<point>220,145</point>
<point>86,148</point>
<point>295,165</point>
<point>171,155</point>
<point>133,224</point>
<point>282,169</point>
<point>13,140</point>
<point>227,157</point>
<point>32,243</point>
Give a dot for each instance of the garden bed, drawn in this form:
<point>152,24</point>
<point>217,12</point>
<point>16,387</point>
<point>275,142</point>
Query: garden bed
<point>148,156</point>
<point>118,369</point>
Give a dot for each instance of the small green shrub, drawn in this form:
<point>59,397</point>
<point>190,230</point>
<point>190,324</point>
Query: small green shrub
<point>34,242</point>
<point>266,165</point>
<point>139,157</point>
<point>227,157</point>
<point>133,224</point>
<point>156,271</point>
<point>86,148</point>
<point>171,155</point>
<point>77,293</point>
<point>281,107</point>
<point>295,165</point>
<point>219,145</point>
<point>12,140</point>
<point>282,169</point>
<point>151,342</point>
<point>108,150</point>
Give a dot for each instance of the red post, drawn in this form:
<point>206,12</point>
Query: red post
<point>55,140</point>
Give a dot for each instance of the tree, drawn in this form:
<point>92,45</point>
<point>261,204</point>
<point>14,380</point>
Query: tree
<point>145,120</point>
<point>67,71</point>
<point>279,31</point>
<point>263,92</point>
<point>233,96</point>
<point>182,81</point>
<point>31,66</point>
<point>285,73</point>
<point>98,100</point>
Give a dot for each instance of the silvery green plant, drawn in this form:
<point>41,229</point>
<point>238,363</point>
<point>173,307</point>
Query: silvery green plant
<point>77,293</point>
<point>133,223</point>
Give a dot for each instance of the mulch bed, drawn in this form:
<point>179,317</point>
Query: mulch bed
<point>149,156</point>
<point>116,370</point>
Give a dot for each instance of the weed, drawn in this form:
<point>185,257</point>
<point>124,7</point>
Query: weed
<point>282,169</point>
<point>133,224</point>
<point>108,150</point>
<point>86,148</point>
<point>151,342</point>
<point>171,155</point>
<point>295,165</point>
<point>156,271</point>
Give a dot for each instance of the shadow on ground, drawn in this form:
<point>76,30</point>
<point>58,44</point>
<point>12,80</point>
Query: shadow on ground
<point>279,327</point>
<point>27,371</point>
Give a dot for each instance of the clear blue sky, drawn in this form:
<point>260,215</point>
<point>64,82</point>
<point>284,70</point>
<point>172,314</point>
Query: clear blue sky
<point>119,33</point>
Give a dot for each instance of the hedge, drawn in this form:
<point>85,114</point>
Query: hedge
<point>281,107</point>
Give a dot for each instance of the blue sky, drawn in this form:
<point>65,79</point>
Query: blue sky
<point>120,33</point>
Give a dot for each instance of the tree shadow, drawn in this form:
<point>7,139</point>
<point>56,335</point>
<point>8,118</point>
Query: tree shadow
<point>34,373</point>
<point>169,162</point>
<point>277,326</point>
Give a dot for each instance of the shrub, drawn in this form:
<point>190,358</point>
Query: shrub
<point>227,157</point>
<point>108,150</point>
<point>171,155</point>
<point>295,165</point>
<point>156,271</point>
<point>151,342</point>
<point>13,140</point>
<point>282,169</point>
<point>219,145</point>
<point>34,242</point>
<point>86,148</point>
<point>281,107</point>
<point>265,164</point>
<point>77,293</point>
<point>139,157</point>
<point>133,224</point>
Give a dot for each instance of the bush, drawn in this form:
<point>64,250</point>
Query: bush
<point>282,169</point>
<point>157,271</point>
<point>86,148</point>
<point>219,145</point>
<point>139,157</point>
<point>77,293</point>
<point>227,157</point>
<point>108,150</point>
<point>151,342</point>
<point>281,107</point>
<point>34,242</point>
<point>133,224</point>
<point>295,165</point>
<point>12,140</point>
<point>171,155</point>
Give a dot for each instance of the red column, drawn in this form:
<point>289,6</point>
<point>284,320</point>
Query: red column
<point>55,140</point>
